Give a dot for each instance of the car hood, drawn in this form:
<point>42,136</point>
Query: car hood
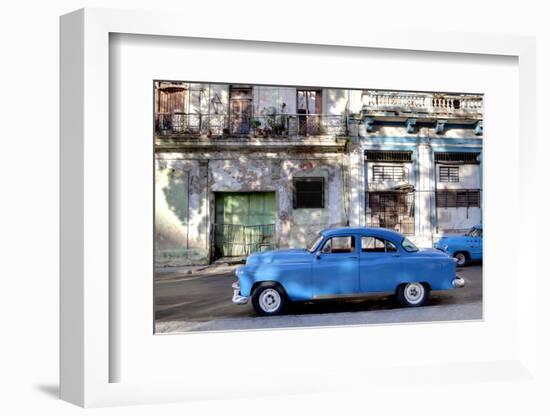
<point>281,255</point>
<point>431,252</point>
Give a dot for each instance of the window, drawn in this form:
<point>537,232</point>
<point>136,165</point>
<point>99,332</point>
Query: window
<point>388,173</point>
<point>448,174</point>
<point>408,245</point>
<point>376,245</point>
<point>339,245</point>
<point>458,198</point>
<point>463,157</point>
<point>393,210</point>
<point>309,193</point>
<point>308,108</point>
<point>388,156</point>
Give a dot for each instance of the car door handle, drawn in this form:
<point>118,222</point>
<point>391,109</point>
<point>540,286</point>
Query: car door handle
<point>396,255</point>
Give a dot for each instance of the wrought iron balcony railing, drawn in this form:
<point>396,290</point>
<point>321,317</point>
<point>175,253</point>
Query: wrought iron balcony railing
<point>272,125</point>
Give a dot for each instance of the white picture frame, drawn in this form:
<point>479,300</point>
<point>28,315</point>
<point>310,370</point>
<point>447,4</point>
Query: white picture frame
<point>87,356</point>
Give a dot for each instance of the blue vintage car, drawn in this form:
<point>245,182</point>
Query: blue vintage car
<point>341,263</point>
<point>465,248</point>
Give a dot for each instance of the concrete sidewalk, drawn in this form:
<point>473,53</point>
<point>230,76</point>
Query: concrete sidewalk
<point>425,314</point>
<point>184,272</point>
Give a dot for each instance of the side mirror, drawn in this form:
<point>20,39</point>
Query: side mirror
<point>318,255</point>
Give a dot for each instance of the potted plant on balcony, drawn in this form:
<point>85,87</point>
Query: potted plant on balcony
<point>255,125</point>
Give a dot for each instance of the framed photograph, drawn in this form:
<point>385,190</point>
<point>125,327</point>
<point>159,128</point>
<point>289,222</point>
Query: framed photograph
<point>321,214</point>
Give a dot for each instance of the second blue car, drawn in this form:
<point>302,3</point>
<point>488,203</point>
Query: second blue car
<point>465,248</point>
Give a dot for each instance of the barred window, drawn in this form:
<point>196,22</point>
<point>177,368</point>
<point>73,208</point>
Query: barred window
<point>388,173</point>
<point>457,198</point>
<point>463,157</point>
<point>448,174</point>
<point>309,193</point>
<point>388,155</point>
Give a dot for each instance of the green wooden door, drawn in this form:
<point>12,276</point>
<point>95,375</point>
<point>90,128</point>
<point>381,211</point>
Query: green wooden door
<point>245,223</point>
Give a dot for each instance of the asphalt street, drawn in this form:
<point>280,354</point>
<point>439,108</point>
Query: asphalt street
<point>203,303</point>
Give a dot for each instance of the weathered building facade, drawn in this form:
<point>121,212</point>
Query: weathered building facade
<point>242,168</point>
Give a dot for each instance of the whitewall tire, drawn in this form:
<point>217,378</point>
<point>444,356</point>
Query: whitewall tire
<point>413,294</point>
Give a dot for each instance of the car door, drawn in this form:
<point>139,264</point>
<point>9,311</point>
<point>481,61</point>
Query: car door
<point>379,265</point>
<point>475,244</point>
<point>335,269</point>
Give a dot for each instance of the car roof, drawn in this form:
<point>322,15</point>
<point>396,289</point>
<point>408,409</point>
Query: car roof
<point>478,226</point>
<point>379,232</point>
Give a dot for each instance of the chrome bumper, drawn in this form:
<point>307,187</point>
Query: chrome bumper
<point>458,282</point>
<point>237,298</point>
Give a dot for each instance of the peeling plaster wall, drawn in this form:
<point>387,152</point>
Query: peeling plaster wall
<point>199,176</point>
<point>180,214</point>
<point>293,227</point>
<point>306,223</point>
<point>335,101</point>
<point>459,219</point>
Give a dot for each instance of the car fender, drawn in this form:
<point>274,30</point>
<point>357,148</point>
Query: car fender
<point>294,278</point>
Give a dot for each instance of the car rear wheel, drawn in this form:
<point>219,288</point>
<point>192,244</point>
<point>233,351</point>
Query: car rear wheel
<point>413,294</point>
<point>461,259</point>
<point>269,299</point>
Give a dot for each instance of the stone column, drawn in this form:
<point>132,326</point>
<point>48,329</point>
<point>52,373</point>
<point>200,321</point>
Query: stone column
<point>356,185</point>
<point>206,217</point>
<point>425,209</point>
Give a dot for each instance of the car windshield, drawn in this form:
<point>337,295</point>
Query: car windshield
<point>474,232</point>
<point>313,247</point>
<point>408,245</point>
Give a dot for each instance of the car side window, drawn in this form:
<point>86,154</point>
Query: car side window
<point>376,245</point>
<point>390,247</point>
<point>339,245</point>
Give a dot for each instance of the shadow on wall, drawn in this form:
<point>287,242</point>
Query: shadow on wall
<point>176,195</point>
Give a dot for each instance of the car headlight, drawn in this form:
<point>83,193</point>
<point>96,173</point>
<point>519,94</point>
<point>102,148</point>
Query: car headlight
<point>445,247</point>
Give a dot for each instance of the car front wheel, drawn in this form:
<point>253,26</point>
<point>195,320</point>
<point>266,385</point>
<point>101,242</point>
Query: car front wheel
<point>269,299</point>
<point>413,294</point>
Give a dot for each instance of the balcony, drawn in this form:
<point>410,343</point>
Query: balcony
<point>446,106</point>
<point>273,125</point>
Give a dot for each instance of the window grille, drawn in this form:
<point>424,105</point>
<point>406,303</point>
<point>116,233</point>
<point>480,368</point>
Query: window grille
<point>388,173</point>
<point>448,174</point>
<point>458,198</point>
<point>393,210</point>
<point>464,157</point>
<point>388,156</point>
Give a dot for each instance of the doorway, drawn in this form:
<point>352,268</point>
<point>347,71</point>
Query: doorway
<point>244,223</point>
<point>241,110</point>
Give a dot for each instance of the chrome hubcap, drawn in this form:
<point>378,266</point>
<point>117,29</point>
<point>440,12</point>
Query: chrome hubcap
<point>270,300</point>
<point>414,293</point>
<point>461,259</point>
